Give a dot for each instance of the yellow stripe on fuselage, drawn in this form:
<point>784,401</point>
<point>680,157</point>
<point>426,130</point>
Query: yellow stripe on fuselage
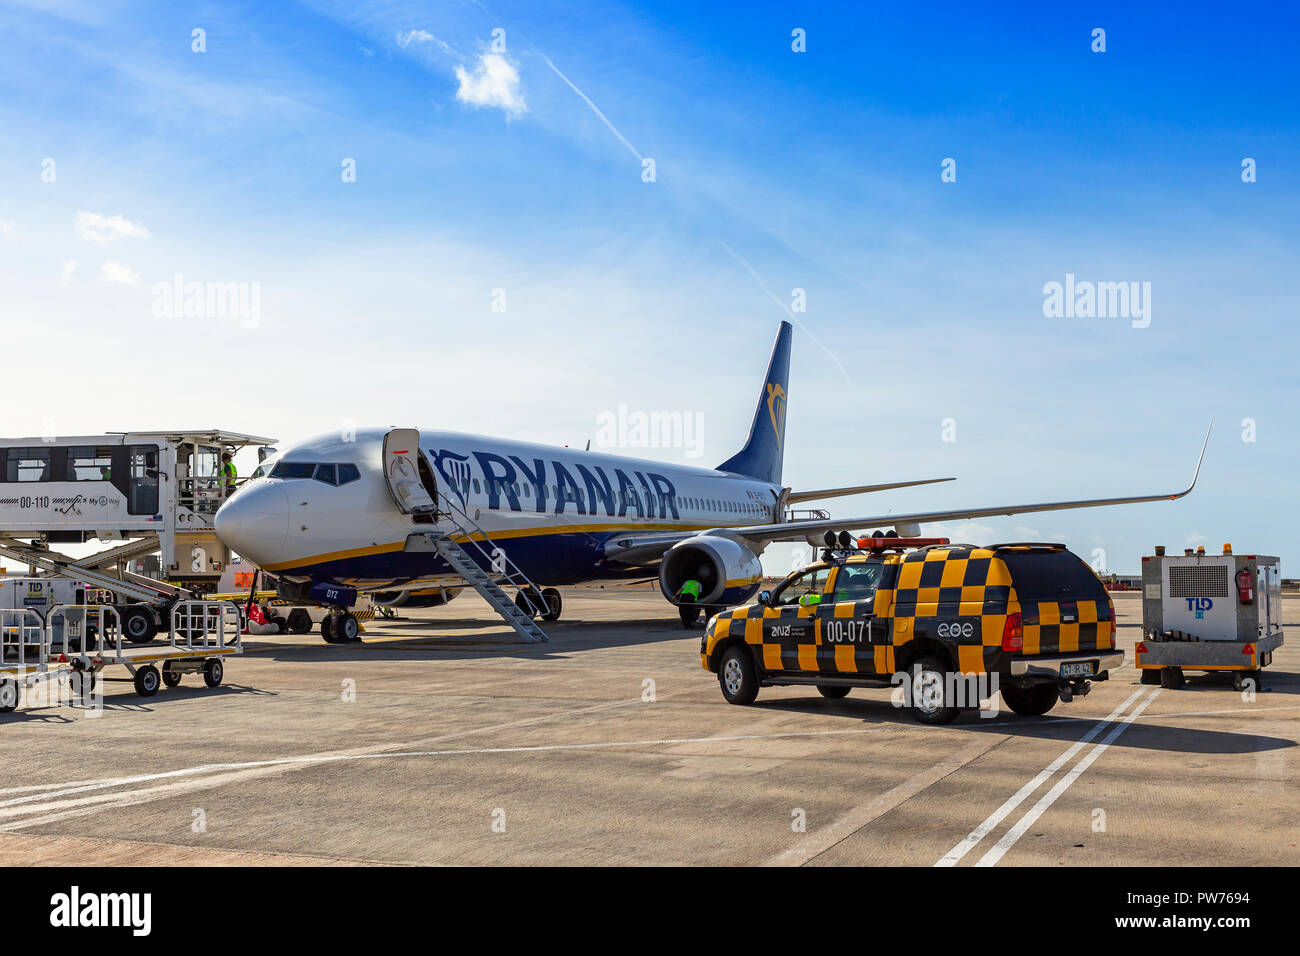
<point>495,536</point>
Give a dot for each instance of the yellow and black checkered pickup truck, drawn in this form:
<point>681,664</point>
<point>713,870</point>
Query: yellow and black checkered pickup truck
<point>950,625</point>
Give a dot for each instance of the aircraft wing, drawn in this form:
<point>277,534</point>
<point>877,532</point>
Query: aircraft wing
<point>641,548</point>
<point>798,497</point>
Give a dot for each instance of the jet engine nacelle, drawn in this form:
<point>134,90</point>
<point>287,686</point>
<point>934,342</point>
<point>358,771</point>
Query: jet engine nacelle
<point>729,573</point>
<point>417,597</point>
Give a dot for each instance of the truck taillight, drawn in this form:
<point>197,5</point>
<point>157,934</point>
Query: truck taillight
<point>1013,633</point>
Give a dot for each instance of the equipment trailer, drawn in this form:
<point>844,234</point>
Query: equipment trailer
<point>1208,613</point>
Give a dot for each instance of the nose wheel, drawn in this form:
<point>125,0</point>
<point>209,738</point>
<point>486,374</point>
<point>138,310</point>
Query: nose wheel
<point>340,627</point>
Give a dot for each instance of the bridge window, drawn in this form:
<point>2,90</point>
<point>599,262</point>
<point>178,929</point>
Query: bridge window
<point>327,474</point>
<point>27,464</point>
<point>348,473</point>
<point>90,463</point>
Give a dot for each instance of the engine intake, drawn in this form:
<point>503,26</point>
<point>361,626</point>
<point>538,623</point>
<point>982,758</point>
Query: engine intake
<point>728,572</point>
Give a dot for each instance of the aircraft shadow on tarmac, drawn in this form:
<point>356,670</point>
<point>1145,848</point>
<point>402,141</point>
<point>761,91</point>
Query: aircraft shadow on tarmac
<point>1143,734</point>
<point>441,641</point>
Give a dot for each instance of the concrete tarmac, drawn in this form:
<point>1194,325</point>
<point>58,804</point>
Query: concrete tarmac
<point>443,740</point>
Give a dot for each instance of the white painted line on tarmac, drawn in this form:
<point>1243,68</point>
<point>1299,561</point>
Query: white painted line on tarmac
<point>1024,823</point>
<point>222,774</point>
<point>821,840</point>
<point>968,843</point>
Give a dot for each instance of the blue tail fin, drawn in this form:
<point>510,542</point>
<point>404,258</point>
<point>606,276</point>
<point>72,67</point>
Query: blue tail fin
<point>762,455</point>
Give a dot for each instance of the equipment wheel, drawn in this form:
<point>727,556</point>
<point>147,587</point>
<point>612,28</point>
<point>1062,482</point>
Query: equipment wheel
<point>833,691</point>
<point>299,621</point>
<point>138,625</point>
<point>213,672</point>
<point>170,676</point>
<point>147,681</point>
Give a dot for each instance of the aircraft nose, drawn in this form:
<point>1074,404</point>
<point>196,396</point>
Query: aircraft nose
<point>255,523</point>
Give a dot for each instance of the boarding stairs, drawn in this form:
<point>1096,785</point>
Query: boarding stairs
<point>467,549</point>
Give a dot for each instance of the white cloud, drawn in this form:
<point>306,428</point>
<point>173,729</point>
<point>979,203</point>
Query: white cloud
<point>6,227</point>
<point>419,36</point>
<point>93,227</point>
<point>118,272</point>
<point>494,82</point>
<point>69,267</point>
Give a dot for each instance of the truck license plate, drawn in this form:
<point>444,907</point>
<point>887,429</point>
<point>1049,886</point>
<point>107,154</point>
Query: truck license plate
<point>1078,669</point>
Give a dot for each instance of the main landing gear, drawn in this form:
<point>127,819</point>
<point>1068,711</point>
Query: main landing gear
<point>340,627</point>
<point>550,597</point>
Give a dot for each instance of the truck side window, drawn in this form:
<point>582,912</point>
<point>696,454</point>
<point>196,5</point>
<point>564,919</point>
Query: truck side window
<point>809,582</point>
<point>857,582</point>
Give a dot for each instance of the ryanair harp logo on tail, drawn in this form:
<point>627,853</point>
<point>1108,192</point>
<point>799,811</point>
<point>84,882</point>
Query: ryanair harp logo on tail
<point>776,410</point>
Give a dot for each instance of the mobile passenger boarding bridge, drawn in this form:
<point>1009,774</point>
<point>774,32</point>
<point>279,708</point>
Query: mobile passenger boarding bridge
<point>139,492</point>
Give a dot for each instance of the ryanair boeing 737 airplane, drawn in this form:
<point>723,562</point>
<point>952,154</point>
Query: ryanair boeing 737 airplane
<point>339,514</point>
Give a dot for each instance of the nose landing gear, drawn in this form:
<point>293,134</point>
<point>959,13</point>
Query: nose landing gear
<point>340,627</point>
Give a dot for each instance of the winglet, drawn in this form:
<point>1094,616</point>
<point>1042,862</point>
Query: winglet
<point>1197,472</point>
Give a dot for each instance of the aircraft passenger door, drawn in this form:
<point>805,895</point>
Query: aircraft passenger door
<point>402,472</point>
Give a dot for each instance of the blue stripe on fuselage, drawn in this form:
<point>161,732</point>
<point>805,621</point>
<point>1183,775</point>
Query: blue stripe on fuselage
<point>547,559</point>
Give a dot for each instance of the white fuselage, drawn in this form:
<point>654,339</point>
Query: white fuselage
<point>551,509</point>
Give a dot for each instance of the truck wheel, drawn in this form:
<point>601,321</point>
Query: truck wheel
<point>10,695</point>
<point>171,678</point>
<point>213,672</point>
<point>1171,678</point>
<point>147,680</point>
<point>299,621</point>
<point>737,675</point>
<point>138,624</point>
<point>1030,701</point>
<point>929,692</point>
<point>1150,675</point>
<point>833,691</point>
<point>689,613</point>
<point>1239,679</point>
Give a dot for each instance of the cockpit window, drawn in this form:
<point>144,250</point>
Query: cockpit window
<point>293,469</point>
<point>328,473</point>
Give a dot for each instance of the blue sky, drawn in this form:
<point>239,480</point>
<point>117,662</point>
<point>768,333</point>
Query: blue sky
<point>480,169</point>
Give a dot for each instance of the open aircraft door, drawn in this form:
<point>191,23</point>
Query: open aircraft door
<point>406,472</point>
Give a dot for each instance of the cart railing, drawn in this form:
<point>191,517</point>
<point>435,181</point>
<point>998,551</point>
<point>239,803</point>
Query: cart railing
<point>201,625</point>
<point>96,627</point>
<point>22,628</point>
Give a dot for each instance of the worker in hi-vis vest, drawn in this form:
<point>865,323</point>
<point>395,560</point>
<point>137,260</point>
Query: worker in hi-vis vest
<point>690,592</point>
<point>228,469</point>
